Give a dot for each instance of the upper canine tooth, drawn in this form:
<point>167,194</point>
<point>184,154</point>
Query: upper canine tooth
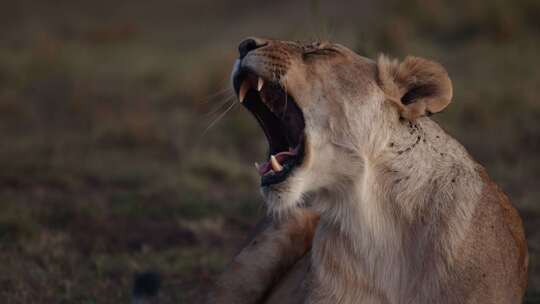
<point>275,164</point>
<point>260,84</point>
<point>257,166</point>
<point>243,90</point>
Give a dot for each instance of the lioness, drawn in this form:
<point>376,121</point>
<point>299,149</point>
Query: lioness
<point>406,215</point>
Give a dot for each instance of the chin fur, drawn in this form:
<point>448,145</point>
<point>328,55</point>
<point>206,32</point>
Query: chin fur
<point>284,198</point>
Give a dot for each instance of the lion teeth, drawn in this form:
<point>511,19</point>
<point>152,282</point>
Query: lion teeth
<point>275,164</point>
<point>257,166</point>
<point>243,90</point>
<point>260,84</point>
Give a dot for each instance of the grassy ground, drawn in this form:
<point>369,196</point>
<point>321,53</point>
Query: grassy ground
<point>106,169</point>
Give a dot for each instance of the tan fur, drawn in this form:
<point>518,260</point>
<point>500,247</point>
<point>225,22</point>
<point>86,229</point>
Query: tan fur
<point>269,256</point>
<point>406,215</point>
<point>426,79</point>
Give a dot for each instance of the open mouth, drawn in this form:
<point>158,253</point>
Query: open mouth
<point>281,120</point>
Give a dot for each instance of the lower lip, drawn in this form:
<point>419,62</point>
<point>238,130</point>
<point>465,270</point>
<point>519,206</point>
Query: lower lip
<point>277,177</point>
<point>288,168</point>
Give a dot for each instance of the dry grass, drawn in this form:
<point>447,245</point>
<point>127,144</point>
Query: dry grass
<point>105,168</point>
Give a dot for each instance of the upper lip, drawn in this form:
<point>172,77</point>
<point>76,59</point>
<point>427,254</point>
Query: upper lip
<point>248,83</point>
<point>239,76</point>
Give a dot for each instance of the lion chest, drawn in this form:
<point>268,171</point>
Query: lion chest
<point>370,257</point>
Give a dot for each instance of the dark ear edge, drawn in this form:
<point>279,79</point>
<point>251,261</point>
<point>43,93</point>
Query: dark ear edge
<point>417,86</point>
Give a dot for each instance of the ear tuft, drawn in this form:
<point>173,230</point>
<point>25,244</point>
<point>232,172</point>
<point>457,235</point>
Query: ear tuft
<point>417,86</point>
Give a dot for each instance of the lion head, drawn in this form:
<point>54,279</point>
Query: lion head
<point>326,110</point>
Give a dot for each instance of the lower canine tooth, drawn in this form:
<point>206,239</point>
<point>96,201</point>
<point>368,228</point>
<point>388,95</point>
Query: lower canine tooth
<point>243,90</point>
<point>275,164</point>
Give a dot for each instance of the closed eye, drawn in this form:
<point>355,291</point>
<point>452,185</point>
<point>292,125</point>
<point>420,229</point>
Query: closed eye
<point>319,52</point>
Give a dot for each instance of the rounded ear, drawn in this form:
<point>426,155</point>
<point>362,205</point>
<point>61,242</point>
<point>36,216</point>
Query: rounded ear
<point>416,86</point>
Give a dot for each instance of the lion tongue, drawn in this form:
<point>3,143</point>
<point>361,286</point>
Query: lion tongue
<point>264,168</point>
<point>280,158</point>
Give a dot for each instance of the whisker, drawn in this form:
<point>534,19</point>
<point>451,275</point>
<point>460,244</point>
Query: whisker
<point>198,141</point>
<point>220,106</point>
<point>225,104</point>
<point>225,83</point>
<point>218,118</point>
<point>217,94</point>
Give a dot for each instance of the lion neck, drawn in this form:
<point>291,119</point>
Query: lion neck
<point>410,161</point>
<point>394,206</point>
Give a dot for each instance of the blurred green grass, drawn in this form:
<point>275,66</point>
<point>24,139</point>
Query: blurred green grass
<point>106,169</point>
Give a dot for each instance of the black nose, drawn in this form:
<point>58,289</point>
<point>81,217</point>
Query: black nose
<point>249,45</point>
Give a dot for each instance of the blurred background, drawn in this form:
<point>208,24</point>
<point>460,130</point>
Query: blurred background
<point>123,151</point>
